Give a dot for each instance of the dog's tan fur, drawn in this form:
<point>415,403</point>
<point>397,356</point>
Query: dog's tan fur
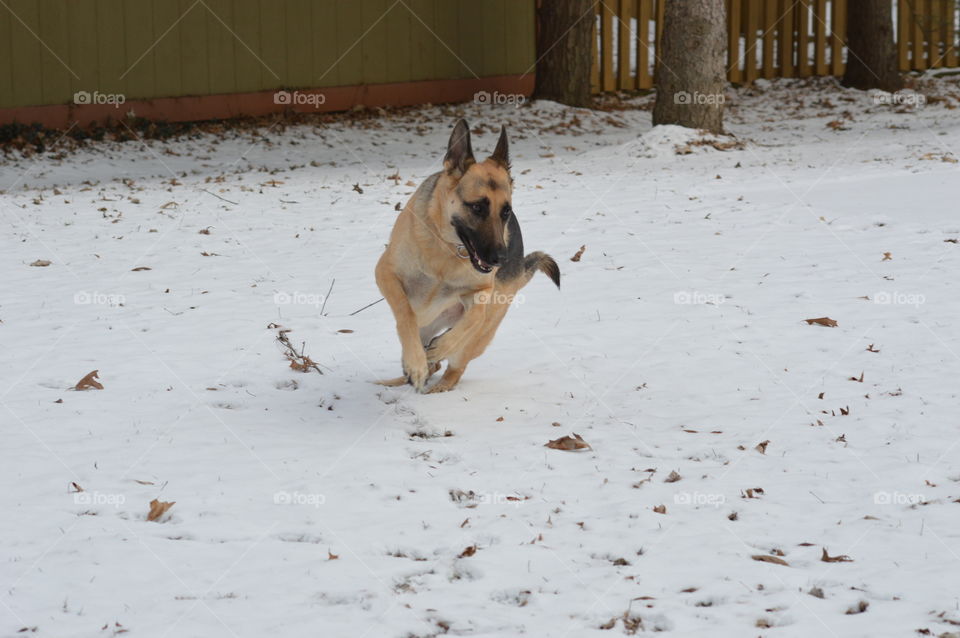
<point>431,287</point>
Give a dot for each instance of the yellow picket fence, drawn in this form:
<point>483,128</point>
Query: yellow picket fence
<point>768,39</point>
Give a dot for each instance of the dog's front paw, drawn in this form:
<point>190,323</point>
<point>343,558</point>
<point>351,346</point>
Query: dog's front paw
<point>416,370</point>
<point>438,349</point>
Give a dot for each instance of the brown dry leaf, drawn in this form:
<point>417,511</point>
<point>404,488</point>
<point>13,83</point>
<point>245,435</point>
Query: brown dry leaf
<point>158,509</point>
<point>822,321</point>
<point>870,348</point>
<point>827,558</point>
<point>767,558</point>
<point>660,509</point>
<point>89,382</point>
<point>76,488</point>
<point>762,447</point>
<point>887,256</point>
<point>468,552</point>
<point>569,443</point>
<point>345,331</point>
<point>673,477</point>
<point>858,380</point>
<point>579,253</point>
<point>139,268</point>
<point>357,188</point>
<point>204,231</point>
<point>499,419</point>
<point>143,482</point>
<point>332,556</point>
<point>41,263</point>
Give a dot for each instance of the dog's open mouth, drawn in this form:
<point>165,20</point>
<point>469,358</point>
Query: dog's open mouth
<point>478,263</point>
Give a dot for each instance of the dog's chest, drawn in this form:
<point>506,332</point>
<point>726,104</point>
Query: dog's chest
<point>429,297</point>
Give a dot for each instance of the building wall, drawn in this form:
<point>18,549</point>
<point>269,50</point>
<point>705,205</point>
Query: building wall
<point>144,49</point>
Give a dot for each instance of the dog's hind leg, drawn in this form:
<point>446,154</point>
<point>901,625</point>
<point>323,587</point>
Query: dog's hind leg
<point>473,345</point>
<point>397,381</point>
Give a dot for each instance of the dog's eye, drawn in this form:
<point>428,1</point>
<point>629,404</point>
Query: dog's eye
<point>505,212</point>
<point>478,208</point>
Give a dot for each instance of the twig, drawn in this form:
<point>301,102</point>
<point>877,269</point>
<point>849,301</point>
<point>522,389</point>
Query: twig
<point>365,307</point>
<point>327,296</point>
<point>218,197</point>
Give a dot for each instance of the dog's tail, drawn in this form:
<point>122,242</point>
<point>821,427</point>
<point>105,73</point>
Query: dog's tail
<point>544,263</point>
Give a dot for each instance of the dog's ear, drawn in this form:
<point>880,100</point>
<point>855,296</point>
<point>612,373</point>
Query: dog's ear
<point>501,154</point>
<point>459,155</point>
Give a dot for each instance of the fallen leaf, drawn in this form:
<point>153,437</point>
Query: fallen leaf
<point>332,556</point>
<point>822,321</point>
<point>762,447</point>
<point>870,348</point>
<point>357,188</point>
<point>139,268</point>
<point>143,482</point>
<point>568,443</point>
<point>345,331</point>
<point>41,263</point>
<point>660,509</point>
<point>158,509</point>
<point>816,592</point>
<point>767,558</point>
<point>89,382</point>
<point>673,477</point>
<point>76,488</point>
<point>579,254</point>
<point>827,558</point>
<point>468,552</point>
<point>859,608</point>
<point>887,257</point>
<point>858,380</point>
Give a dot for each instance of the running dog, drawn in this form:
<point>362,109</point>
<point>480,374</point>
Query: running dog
<point>455,262</point>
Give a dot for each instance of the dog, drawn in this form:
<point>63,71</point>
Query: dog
<point>455,262</point>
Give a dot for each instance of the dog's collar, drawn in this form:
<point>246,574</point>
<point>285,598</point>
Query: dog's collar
<point>462,252</point>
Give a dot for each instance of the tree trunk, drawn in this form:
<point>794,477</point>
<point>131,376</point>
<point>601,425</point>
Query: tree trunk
<point>691,71</point>
<point>564,51</point>
<point>871,53</point>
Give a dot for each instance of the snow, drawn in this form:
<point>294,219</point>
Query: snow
<point>309,504</point>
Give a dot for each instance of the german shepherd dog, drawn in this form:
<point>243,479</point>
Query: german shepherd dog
<point>455,262</point>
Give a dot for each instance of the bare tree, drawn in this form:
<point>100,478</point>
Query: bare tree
<point>871,53</point>
<point>564,51</point>
<point>691,73</point>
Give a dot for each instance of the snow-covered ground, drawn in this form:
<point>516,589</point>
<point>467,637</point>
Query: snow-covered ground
<point>312,504</point>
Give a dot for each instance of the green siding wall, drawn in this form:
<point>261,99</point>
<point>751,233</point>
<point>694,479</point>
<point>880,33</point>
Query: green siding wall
<point>51,49</point>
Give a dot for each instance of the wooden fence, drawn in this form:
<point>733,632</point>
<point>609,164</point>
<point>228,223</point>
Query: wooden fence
<point>768,39</point>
